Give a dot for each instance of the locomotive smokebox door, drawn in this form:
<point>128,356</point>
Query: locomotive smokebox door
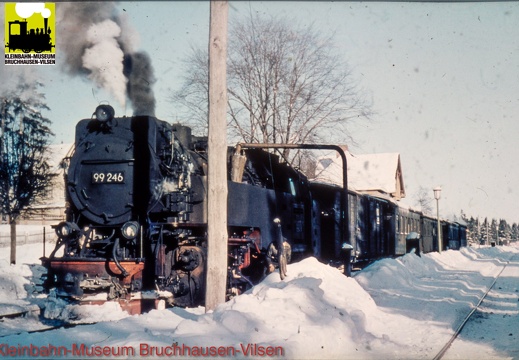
<point>101,174</point>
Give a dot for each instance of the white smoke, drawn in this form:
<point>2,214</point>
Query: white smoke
<point>91,50</point>
<point>104,59</point>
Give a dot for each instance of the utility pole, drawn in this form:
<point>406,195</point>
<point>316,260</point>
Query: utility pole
<point>217,235</point>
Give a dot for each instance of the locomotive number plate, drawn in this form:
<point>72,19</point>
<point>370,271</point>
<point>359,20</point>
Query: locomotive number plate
<point>116,177</point>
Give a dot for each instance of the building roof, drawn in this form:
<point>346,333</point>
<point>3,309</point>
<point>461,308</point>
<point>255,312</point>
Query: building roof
<point>371,173</point>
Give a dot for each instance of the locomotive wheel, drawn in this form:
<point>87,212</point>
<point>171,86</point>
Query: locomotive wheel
<point>26,50</point>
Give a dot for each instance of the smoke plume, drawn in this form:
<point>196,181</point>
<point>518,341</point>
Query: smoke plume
<point>99,44</point>
<point>138,70</point>
<point>104,59</point>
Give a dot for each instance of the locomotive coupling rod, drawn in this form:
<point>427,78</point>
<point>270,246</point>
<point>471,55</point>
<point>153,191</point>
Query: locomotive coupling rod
<point>344,197</point>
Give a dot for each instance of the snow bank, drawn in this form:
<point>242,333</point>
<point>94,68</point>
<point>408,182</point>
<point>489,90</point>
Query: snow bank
<point>404,308</point>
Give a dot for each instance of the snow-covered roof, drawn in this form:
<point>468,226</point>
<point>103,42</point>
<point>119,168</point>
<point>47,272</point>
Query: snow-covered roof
<point>366,173</point>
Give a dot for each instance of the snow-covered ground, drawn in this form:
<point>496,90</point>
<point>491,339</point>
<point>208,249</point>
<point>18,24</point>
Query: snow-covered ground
<point>405,308</point>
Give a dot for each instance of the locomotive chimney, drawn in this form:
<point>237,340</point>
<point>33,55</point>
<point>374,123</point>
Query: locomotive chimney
<point>45,23</point>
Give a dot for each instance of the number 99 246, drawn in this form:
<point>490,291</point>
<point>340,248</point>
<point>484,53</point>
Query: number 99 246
<point>108,177</point>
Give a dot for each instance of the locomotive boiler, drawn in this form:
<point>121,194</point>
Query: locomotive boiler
<point>136,222</point>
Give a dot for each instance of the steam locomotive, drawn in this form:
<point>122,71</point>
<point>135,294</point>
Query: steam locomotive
<point>136,219</point>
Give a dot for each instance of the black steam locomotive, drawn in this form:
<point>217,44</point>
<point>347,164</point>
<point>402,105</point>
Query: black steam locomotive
<point>136,220</point>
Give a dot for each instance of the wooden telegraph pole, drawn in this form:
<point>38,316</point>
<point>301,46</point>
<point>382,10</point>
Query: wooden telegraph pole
<point>217,158</point>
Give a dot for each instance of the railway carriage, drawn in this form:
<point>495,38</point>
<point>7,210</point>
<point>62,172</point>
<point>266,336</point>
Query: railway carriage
<point>454,235</point>
<point>408,221</point>
<point>429,239</point>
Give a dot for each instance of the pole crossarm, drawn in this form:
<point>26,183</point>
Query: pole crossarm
<point>344,197</point>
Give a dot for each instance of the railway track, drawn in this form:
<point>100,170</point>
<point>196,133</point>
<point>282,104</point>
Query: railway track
<point>32,322</point>
<point>44,328</point>
<point>41,327</point>
<point>18,311</point>
<point>469,316</point>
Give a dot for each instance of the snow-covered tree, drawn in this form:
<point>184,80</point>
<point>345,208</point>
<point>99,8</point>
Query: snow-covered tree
<point>493,236</point>
<point>504,232</point>
<point>515,232</point>
<point>472,229</point>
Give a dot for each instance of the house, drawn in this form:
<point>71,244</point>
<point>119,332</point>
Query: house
<point>374,174</point>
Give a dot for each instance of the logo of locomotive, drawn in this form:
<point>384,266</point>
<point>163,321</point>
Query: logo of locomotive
<point>30,34</point>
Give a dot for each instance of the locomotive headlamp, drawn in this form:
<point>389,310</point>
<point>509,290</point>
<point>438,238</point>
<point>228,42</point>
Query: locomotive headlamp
<point>66,229</point>
<point>130,229</point>
<point>104,113</point>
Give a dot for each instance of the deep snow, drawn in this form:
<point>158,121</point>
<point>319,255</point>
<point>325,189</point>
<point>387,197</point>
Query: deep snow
<point>405,308</point>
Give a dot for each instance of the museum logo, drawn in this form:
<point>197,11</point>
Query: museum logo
<point>30,34</point>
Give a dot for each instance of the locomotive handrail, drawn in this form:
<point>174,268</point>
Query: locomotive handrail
<point>344,198</point>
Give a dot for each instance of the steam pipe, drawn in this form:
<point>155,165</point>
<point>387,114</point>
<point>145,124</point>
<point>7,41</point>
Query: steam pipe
<point>114,254</point>
<point>344,198</point>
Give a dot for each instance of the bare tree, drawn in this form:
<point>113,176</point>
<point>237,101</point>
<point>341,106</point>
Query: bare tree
<point>24,170</point>
<point>286,84</point>
<point>193,97</point>
<point>423,200</point>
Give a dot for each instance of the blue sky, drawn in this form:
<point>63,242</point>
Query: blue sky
<point>443,78</point>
